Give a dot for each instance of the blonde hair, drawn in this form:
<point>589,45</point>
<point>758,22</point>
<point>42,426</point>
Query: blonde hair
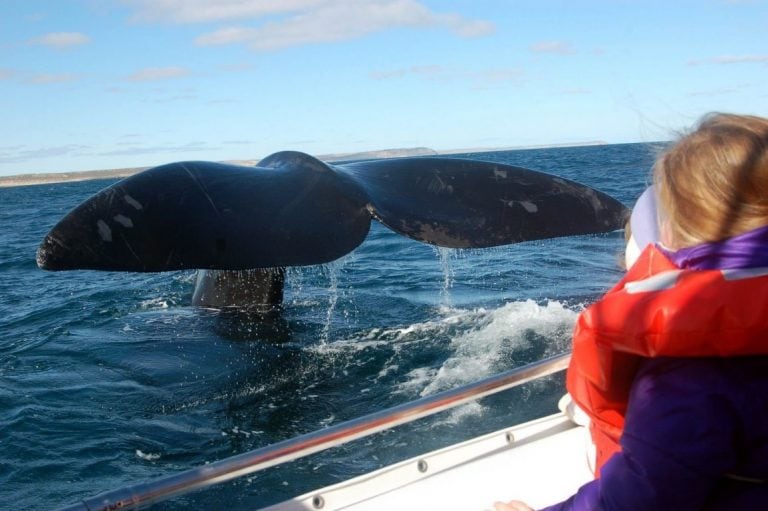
<point>713,183</point>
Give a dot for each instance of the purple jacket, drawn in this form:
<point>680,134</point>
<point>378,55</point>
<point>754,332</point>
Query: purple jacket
<point>689,422</point>
<point>696,430</point>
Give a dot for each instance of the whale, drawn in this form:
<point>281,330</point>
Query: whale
<point>241,226</point>
<point>255,288</point>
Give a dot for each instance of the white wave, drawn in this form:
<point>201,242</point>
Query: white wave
<point>388,369</point>
<point>345,346</point>
<point>499,333</point>
<point>154,304</point>
<point>235,431</point>
<point>376,337</point>
<point>186,277</point>
<point>147,456</point>
<point>456,415</point>
<point>480,342</point>
<point>416,379</point>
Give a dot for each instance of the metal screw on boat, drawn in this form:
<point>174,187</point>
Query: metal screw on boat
<point>318,502</point>
<point>510,437</point>
<point>422,466</point>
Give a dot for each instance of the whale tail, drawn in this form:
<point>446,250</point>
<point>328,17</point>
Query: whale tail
<point>295,210</point>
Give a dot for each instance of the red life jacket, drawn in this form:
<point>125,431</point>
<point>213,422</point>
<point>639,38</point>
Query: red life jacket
<point>658,309</point>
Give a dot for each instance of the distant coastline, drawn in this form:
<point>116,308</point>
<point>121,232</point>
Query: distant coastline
<point>87,175</point>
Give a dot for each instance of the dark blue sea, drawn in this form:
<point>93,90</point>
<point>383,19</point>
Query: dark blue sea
<point>109,379</point>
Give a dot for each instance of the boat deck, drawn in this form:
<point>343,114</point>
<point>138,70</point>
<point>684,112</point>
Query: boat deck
<point>540,462</point>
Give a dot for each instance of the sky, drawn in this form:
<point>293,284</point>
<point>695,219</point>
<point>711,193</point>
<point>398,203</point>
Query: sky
<point>102,84</point>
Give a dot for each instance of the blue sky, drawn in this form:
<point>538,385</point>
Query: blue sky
<point>97,84</point>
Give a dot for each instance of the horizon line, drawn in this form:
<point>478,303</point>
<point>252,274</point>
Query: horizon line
<point>37,178</point>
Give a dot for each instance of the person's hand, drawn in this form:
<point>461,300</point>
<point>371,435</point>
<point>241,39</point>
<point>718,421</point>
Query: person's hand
<point>512,505</point>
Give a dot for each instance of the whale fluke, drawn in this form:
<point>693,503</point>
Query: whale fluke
<point>192,215</point>
<point>460,203</point>
<point>295,210</point>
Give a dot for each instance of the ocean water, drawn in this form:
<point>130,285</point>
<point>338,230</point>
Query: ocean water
<point>109,379</point>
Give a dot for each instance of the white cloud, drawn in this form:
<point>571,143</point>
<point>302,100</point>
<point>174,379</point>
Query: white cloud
<point>159,149</point>
<point>174,98</point>
<point>236,68</point>
<point>556,47</point>
<point>480,79</point>
<point>432,71</point>
<point>470,28</point>
<point>721,91</point>
<point>16,155</point>
<point>46,78</point>
<point>712,93</point>
<point>732,59</point>
<point>497,76</point>
<point>158,73</point>
<point>289,23</point>
<point>39,78</point>
<point>207,11</point>
<point>61,40</point>
<point>228,35</point>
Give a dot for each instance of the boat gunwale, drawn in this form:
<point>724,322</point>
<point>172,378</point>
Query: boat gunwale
<point>144,494</point>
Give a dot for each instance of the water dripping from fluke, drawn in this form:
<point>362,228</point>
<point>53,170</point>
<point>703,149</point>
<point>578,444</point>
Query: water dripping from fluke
<point>449,276</point>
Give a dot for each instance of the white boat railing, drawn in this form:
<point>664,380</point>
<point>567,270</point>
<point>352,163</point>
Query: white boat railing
<point>144,494</point>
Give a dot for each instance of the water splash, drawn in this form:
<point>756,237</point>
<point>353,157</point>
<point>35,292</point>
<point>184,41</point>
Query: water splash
<point>147,456</point>
<point>333,269</point>
<point>501,338</point>
<point>294,279</point>
<point>449,275</point>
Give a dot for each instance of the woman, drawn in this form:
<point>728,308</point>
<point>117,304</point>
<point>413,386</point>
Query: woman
<point>671,365</point>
